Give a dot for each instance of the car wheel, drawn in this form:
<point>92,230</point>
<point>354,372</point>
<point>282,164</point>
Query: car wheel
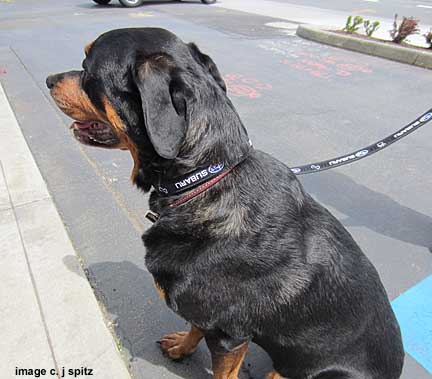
<point>131,3</point>
<point>102,2</point>
<point>208,1</point>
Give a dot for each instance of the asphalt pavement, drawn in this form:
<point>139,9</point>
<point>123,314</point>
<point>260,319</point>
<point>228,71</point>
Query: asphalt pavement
<point>301,101</point>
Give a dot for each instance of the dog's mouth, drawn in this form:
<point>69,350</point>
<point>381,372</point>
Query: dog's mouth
<point>94,133</point>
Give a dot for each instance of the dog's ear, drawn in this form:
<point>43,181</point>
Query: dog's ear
<point>207,63</point>
<point>164,97</point>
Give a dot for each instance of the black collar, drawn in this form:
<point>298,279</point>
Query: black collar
<point>197,177</point>
<point>203,178</point>
<point>190,180</point>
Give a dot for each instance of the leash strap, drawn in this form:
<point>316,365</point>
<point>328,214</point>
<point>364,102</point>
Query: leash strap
<point>214,173</point>
<point>366,151</point>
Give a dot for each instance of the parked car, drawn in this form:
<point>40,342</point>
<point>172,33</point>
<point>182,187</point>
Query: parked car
<point>136,3</point>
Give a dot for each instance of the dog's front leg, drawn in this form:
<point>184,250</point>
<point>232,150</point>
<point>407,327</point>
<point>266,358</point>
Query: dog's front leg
<point>226,359</point>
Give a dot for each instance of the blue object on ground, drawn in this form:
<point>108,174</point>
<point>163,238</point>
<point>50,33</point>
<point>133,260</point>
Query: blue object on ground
<point>414,312</point>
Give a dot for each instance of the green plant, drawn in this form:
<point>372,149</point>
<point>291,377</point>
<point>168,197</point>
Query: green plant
<point>352,25</point>
<point>428,37</point>
<point>407,27</point>
<point>370,28</point>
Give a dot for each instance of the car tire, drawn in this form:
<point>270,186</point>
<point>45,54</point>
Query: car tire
<point>131,3</point>
<point>102,2</point>
<point>208,1</point>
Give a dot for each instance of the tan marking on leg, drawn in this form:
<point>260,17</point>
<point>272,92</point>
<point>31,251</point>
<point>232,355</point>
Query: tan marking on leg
<point>227,366</point>
<point>179,345</point>
<point>274,375</point>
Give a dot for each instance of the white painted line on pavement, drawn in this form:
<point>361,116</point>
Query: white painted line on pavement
<point>424,6</point>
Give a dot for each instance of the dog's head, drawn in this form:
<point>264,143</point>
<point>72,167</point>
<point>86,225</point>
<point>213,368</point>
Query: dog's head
<point>146,91</point>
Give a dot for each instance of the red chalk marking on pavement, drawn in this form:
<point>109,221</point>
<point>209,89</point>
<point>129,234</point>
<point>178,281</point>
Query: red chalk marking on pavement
<point>241,90</point>
<point>325,66</point>
<point>3,71</point>
<point>239,85</point>
<point>353,68</point>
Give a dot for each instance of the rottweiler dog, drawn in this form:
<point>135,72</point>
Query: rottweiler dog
<point>237,248</point>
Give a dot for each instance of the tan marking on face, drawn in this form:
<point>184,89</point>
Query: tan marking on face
<point>120,130</point>
<point>73,101</point>
<point>88,48</point>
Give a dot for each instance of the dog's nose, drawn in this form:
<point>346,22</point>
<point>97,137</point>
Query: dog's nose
<point>51,81</point>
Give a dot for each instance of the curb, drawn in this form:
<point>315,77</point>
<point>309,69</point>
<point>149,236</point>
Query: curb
<point>53,325</point>
<point>378,49</point>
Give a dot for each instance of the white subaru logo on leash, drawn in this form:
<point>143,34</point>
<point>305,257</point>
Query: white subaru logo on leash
<point>214,169</point>
<point>426,117</point>
<point>362,153</point>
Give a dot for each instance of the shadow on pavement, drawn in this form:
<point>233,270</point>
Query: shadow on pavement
<point>373,210</point>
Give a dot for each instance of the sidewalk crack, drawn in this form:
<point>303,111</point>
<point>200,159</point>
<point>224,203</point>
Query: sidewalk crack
<point>45,198</point>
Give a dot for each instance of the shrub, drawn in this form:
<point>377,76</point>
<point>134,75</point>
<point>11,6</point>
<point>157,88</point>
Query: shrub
<point>370,28</point>
<point>428,37</point>
<point>352,25</point>
<point>407,27</point>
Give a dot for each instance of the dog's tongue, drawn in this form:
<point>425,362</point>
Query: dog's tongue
<point>80,125</point>
<point>87,125</point>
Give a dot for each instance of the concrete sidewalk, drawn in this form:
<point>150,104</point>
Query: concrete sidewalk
<point>327,18</point>
<point>50,317</point>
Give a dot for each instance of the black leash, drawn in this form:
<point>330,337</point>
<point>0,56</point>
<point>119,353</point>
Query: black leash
<point>366,151</point>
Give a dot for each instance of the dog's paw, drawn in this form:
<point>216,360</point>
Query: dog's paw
<point>177,345</point>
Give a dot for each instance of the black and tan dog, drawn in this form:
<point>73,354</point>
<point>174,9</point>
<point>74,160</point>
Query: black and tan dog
<point>238,248</point>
